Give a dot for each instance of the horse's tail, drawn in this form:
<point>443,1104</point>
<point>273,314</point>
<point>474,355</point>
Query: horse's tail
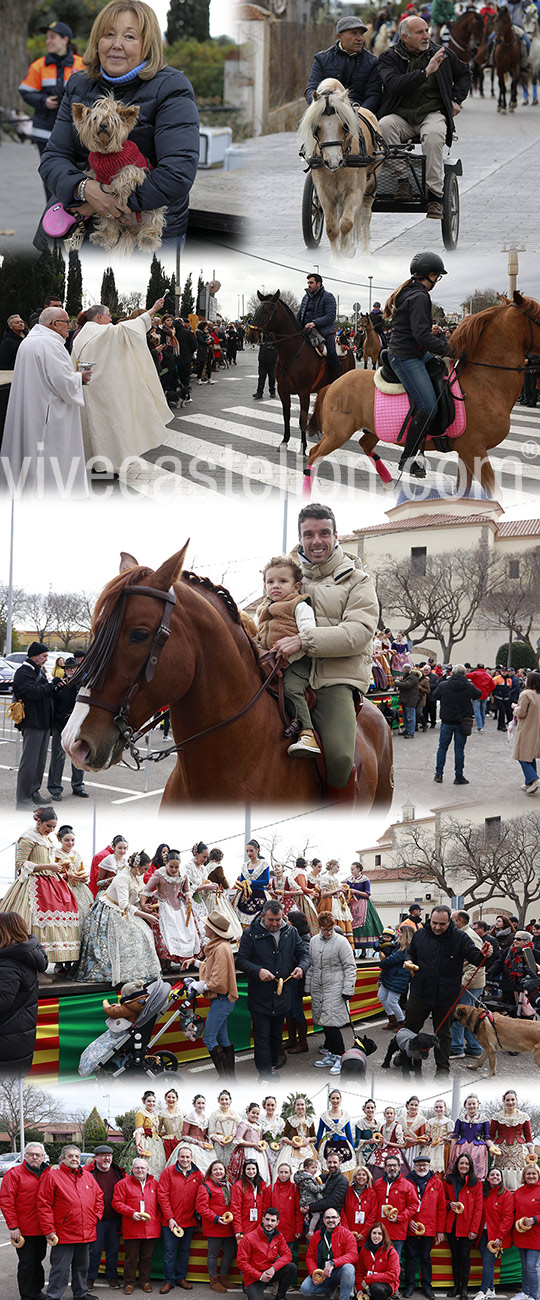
<point>315,419</point>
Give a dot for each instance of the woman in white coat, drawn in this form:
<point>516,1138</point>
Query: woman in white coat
<point>331,980</point>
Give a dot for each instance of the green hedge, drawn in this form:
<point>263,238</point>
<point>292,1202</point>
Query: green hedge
<point>523,655</point>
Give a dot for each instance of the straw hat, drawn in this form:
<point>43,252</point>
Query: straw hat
<point>219,924</point>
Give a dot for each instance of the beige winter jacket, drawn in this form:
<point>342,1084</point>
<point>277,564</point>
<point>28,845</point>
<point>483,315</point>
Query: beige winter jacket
<point>479,979</point>
<point>346,614</point>
<point>527,741</point>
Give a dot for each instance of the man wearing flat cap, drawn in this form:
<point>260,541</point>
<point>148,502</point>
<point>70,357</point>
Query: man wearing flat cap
<point>351,64</point>
<point>107,1174</point>
<point>33,689</point>
<point>44,83</point>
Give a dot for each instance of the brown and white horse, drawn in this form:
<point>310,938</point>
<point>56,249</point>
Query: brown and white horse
<point>171,638</point>
<point>331,132</point>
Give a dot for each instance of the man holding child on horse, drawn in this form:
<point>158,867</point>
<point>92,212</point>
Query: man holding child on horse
<point>339,646</point>
<point>350,64</point>
<point>424,87</point>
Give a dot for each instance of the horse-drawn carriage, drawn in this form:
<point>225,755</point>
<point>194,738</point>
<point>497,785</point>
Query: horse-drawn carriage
<point>412,163</point>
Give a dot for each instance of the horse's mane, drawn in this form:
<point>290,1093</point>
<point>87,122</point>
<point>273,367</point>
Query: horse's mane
<point>466,337</point>
<point>342,107</point>
<point>106,601</point>
<point>195,580</point>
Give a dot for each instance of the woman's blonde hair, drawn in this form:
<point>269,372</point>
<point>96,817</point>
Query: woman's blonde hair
<point>390,304</point>
<point>149,30</point>
<point>405,935</point>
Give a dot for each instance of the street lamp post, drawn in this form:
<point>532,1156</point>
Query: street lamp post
<point>370,278</point>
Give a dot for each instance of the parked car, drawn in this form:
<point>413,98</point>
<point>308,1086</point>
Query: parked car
<point>7,673</point>
<point>17,657</point>
<point>8,1160</point>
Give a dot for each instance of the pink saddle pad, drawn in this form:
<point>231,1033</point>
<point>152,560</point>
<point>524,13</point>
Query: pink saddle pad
<point>391,410</point>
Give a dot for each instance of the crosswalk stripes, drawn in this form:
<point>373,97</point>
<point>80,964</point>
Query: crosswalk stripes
<point>245,441</point>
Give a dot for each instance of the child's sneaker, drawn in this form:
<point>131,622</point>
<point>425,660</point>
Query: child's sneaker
<point>305,746</point>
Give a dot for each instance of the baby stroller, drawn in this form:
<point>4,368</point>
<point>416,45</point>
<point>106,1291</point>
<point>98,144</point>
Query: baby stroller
<point>132,1048</point>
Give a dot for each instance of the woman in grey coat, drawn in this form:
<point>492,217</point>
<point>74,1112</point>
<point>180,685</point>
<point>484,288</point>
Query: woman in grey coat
<point>331,981</point>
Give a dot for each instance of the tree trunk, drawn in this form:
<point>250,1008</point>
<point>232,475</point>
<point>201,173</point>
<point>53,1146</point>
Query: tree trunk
<point>16,15</point>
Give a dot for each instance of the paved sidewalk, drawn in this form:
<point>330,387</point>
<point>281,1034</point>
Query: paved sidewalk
<point>493,775</point>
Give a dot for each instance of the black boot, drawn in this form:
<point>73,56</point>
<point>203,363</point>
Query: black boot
<point>229,1062</point>
<point>220,1061</point>
<point>418,428</point>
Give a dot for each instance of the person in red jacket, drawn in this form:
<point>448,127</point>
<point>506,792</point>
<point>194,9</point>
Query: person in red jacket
<point>361,1208</point>
<point>214,1206</point>
<point>95,865</point>
<point>333,1250</point>
<point>462,1188</point>
<point>69,1205</point>
<point>497,1224</point>
<point>177,1194</point>
<point>248,1197</point>
<point>395,1193</point>
<point>527,1208</point>
<point>285,1197</point>
<point>485,683</point>
<point>432,1215</point>
<point>263,1255</point>
<point>135,1198</point>
<point>378,1264</point>
<point>18,1194</point>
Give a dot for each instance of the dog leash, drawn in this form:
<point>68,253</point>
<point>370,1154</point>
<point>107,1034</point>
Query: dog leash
<point>463,989</point>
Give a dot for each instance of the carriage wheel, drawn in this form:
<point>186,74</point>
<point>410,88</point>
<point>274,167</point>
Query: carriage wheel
<point>163,1062</point>
<point>312,215</point>
<point>450,217</point>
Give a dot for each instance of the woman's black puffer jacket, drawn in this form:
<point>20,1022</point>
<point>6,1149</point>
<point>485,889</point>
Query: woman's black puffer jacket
<point>166,132</point>
<point>19,967</point>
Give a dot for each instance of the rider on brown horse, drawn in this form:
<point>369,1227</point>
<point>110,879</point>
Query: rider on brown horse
<point>413,344</point>
<point>340,645</point>
<point>318,312</point>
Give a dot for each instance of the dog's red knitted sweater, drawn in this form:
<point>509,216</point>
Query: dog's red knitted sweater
<point>106,165</point>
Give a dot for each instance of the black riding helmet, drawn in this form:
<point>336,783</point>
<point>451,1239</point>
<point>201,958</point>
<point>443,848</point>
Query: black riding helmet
<point>425,263</point>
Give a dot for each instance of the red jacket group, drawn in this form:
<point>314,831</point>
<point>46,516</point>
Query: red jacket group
<point>432,1209</point>
<point>211,1204</point>
<point>256,1252</point>
<point>360,1212</point>
<point>344,1248</point>
<point>70,1204</point>
<point>177,1195</point>
<point>527,1205</point>
<point>382,1265</point>
<point>472,1200</point>
<point>127,1198</point>
<point>404,1197</point>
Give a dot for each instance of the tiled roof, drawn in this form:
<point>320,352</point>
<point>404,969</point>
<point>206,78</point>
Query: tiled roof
<point>520,528</point>
<point>422,521</point>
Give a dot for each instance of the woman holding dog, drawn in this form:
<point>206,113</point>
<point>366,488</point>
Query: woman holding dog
<point>463,1192</point>
<point>124,58</point>
<point>510,1130</point>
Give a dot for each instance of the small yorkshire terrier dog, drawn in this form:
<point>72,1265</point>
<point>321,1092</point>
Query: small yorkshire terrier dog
<point>117,162</point>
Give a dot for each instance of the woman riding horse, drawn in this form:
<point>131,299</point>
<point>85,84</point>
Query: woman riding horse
<point>413,344</point>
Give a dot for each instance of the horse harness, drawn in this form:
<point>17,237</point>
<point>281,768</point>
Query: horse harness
<point>364,159</point>
<point>464,360</point>
<point>160,637</point>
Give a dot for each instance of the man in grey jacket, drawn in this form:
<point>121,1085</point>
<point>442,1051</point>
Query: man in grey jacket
<point>340,645</point>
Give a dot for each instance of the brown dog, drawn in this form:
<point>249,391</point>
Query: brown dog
<point>493,1030</point>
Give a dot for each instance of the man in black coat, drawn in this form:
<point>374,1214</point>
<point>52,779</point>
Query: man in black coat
<point>64,703</point>
<point>456,694</point>
<point>270,950</point>
<point>267,366</point>
<point>318,312</point>
<point>32,686</point>
<point>107,1174</point>
<point>424,86</point>
<point>351,64</point>
<point>187,346</point>
<point>440,951</point>
<point>335,1187</point>
<point>11,342</point>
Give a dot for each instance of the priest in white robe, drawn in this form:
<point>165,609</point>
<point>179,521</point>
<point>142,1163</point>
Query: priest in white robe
<point>42,448</point>
<point>125,411</point>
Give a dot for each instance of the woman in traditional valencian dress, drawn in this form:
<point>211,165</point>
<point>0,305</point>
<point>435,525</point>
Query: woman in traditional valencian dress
<point>366,1148</point>
<point>251,885</point>
<point>299,1139</point>
<point>272,1129</point>
<point>74,870</point>
<point>471,1138</point>
<point>41,895</point>
<point>367,924</point>
<point>147,1138</point>
<point>218,900</point>
<point>414,1128</point>
<point>334,1134</point>
<point>292,891</point>
<point>249,1144</point>
<point>440,1130</point>
<point>117,944</point>
<point>201,890</point>
<point>113,863</point>
<point>393,1143</point>
<point>176,935</point>
<point>510,1130</point>
<point>333,899</point>
<point>171,1120</point>
<point>223,1124</point>
<point>195,1131</point>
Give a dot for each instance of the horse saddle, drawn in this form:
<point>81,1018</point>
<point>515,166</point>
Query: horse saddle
<point>444,415</point>
<point>317,342</point>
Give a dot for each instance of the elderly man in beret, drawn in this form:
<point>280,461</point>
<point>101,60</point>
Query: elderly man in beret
<point>107,1174</point>
<point>350,63</point>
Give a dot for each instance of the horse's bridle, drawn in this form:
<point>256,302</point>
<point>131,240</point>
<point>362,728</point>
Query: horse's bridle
<point>346,144</point>
<point>492,365</point>
<point>148,667</point>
